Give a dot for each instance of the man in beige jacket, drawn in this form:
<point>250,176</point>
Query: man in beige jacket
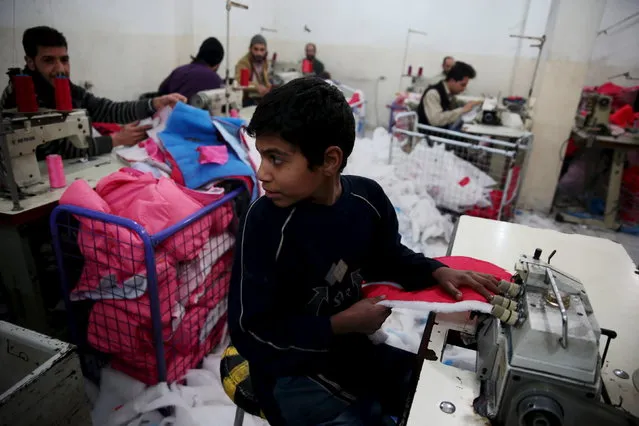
<point>254,61</point>
<point>438,106</point>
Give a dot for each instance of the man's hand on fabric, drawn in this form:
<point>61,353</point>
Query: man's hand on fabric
<point>130,134</point>
<point>365,316</point>
<point>168,100</point>
<point>452,279</point>
<point>470,105</point>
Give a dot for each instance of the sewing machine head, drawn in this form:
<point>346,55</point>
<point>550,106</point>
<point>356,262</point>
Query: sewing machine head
<point>215,100</point>
<point>24,133</point>
<point>419,84</point>
<point>546,369</point>
<point>490,112</point>
<point>594,112</point>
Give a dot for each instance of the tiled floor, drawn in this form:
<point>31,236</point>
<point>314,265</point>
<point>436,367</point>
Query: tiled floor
<point>630,242</point>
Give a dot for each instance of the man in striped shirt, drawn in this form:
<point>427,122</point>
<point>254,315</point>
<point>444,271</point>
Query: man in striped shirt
<point>47,57</point>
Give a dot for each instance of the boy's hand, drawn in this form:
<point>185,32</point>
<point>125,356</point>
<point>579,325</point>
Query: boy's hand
<point>451,279</point>
<point>365,316</point>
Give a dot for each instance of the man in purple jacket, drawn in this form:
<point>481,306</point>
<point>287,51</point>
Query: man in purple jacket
<point>200,74</point>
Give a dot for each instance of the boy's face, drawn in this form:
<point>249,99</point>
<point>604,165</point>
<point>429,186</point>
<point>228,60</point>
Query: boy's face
<point>284,172</point>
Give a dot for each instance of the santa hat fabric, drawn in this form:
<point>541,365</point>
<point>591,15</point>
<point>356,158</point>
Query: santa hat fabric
<point>434,299</point>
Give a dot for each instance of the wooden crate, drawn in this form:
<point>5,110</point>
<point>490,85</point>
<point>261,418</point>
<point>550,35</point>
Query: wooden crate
<point>41,380</point>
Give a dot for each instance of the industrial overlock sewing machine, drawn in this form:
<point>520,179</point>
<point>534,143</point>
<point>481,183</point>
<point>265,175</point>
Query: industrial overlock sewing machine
<point>545,370</point>
<point>593,113</point>
<point>215,100</point>
<point>21,134</point>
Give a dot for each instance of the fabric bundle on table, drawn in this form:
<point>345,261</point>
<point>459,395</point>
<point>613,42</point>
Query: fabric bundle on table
<point>417,305</point>
<point>194,149</point>
<point>188,132</point>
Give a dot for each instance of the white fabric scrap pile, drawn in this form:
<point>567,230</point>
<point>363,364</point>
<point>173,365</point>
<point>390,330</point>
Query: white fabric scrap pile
<point>452,182</point>
<point>423,228</point>
<point>201,401</point>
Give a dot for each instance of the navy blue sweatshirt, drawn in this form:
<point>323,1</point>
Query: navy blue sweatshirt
<point>296,267</point>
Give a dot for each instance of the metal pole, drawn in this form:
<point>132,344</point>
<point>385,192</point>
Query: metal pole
<point>540,46</point>
<point>605,31</point>
<point>227,80</point>
<point>408,33</point>
<point>404,61</point>
<point>534,76</point>
<point>513,74</point>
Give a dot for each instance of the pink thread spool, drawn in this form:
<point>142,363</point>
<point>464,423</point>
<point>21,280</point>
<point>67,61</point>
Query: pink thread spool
<point>57,179</point>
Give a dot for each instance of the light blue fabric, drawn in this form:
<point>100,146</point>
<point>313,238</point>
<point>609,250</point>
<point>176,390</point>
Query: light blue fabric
<point>189,128</point>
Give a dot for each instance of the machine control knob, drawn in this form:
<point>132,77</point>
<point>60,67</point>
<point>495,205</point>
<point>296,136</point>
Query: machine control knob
<point>537,254</point>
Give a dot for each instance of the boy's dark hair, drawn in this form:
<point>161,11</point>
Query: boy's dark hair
<point>211,52</point>
<point>41,36</point>
<point>461,70</point>
<point>308,113</point>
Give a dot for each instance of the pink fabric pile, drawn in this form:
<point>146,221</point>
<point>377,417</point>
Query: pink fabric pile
<point>192,265</point>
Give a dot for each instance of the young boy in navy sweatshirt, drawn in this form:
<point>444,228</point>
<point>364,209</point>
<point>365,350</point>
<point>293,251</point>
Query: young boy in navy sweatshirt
<point>296,311</point>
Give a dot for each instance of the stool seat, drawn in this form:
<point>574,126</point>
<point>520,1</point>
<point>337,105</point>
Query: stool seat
<point>236,381</point>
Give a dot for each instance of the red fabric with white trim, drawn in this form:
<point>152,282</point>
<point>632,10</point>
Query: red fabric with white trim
<point>437,294</point>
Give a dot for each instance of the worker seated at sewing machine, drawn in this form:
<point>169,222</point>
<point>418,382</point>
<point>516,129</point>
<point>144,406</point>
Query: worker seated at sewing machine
<point>447,65</point>
<point>312,65</point>
<point>254,64</point>
<point>438,106</point>
<point>199,75</point>
<point>311,360</point>
<point>47,58</point>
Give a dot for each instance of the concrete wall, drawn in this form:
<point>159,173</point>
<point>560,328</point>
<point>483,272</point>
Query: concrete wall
<point>617,51</point>
<point>571,30</point>
<point>362,40</point>
<point>123,47</point>
<point>126,47</point>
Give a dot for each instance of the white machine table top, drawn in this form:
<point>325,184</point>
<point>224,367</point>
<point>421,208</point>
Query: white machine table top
<point>603,266</point>
<point>497,131</point>
<point>91,171</point>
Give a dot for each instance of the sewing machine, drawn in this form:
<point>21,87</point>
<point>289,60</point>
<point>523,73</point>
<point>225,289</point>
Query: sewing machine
<point>214,100</point>
<point>22,134</point>
<point>593,113</point>
<point>284,71</point>
<point>419,84</point>
<point>490,112</point>
<point>546,369</point>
